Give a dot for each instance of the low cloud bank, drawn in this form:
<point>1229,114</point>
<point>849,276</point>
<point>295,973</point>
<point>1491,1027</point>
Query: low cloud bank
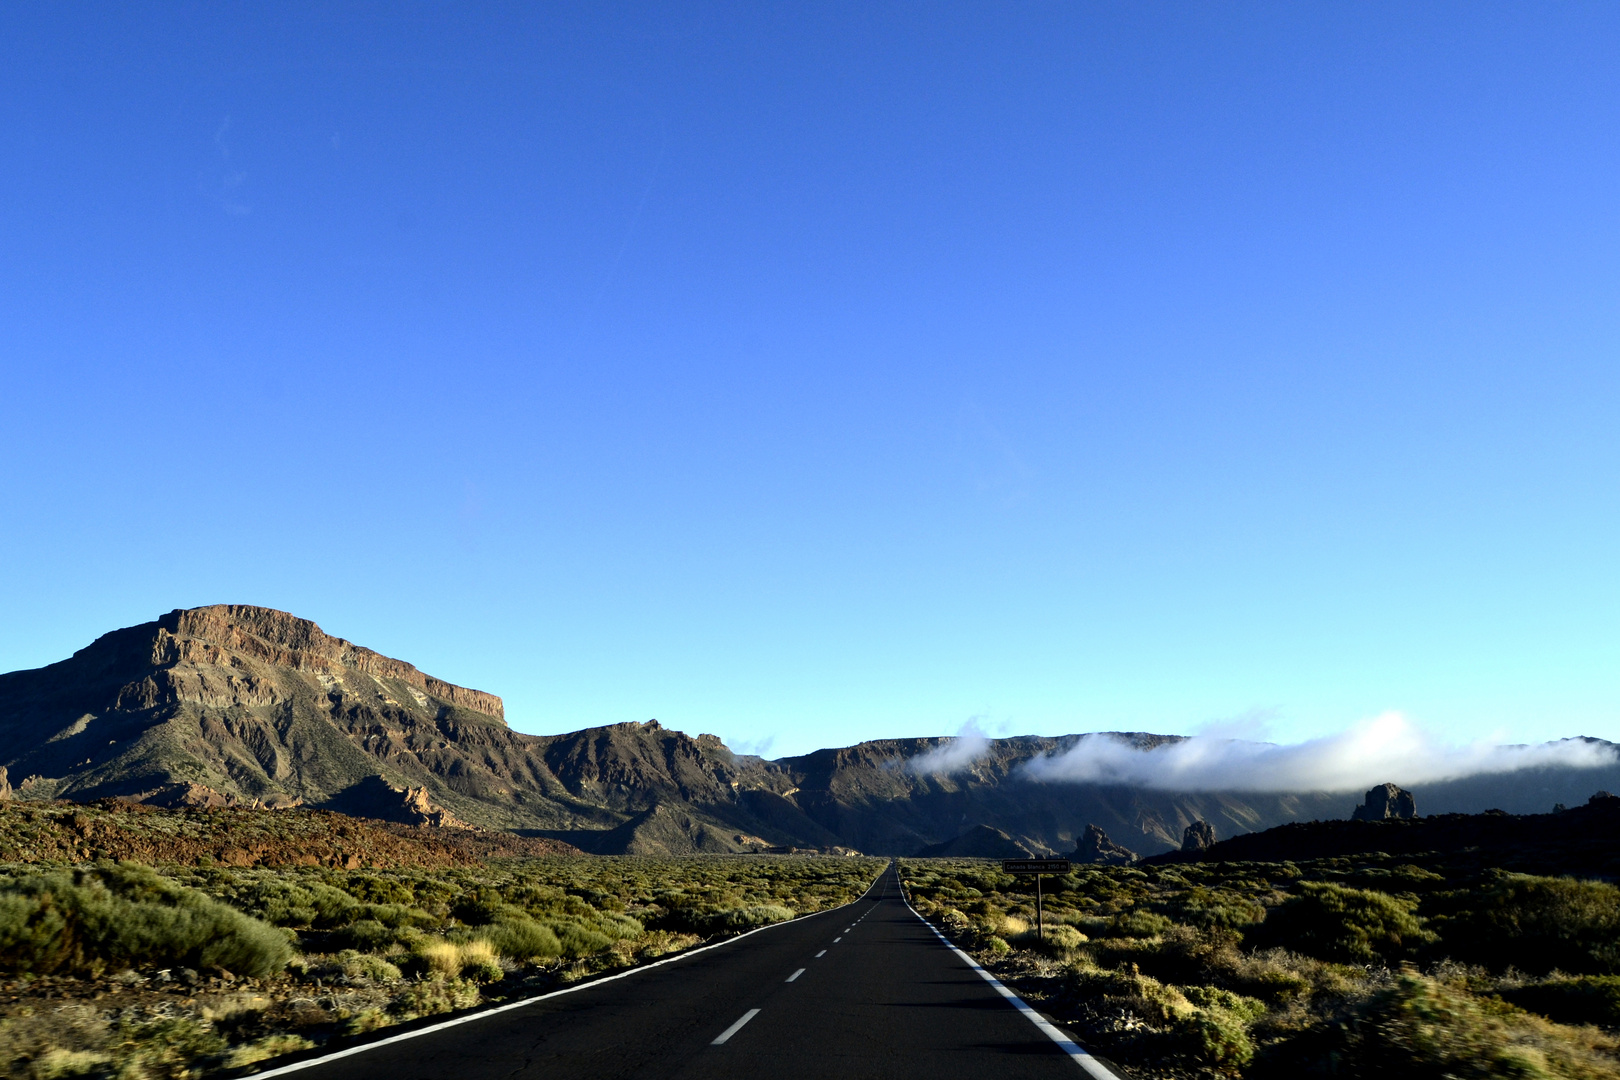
<point>1386,748</point>
<point>953,756</point>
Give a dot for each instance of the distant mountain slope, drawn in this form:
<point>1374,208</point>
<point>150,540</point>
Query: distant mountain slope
<point>1579,840</point>
<point>872,797</point>
<point>249,705</point>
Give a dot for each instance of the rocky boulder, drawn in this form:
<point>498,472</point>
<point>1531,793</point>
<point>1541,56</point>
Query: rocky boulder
<point>1384,802</point>
<point>1198,836</point>
<point>1094,847</point>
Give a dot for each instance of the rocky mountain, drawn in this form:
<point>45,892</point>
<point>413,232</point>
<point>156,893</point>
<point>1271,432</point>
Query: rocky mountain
<point>248,706</point>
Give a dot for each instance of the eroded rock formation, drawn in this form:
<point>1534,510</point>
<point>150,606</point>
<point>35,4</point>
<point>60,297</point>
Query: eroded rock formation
<point>1198,836</point>
<point>1384,802</point>
<point>1095,847</point>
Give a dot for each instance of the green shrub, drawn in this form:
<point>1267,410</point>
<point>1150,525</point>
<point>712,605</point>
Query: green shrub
<point>1144,997</point>
<point>1059,938</point>
<point>164,1049</point>
<point>1216,1038</point>
<point>1246,1009</point>
<point>1350,925</point>
<point>90,919</point>
<point>1586,999</point>
<point>60,1064</point>
<point>433,996</point>
<point>1540,924</point>
<point>365,966</point>
<point>365,935</point>
<point>521,939</point>
<point>579,940</point>
<point>266,1048</point>
<point>737,920</point>
<point>1425,1030</point>
<point>1137,923</point>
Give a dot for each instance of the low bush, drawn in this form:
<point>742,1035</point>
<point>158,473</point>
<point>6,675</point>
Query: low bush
<point>521,938</point>
<point>1423,1029</point>
<point>1355,926</point>
<point>473,958</point>
<point>740,919</point>
<point>1057,939</point>
<point>92,918</point>
<point>1538,924</point>
<point>433,996</point>
<point>1585,999</point>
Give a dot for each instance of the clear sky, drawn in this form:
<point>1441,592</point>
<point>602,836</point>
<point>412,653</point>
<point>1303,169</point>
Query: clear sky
<point>806,373</point>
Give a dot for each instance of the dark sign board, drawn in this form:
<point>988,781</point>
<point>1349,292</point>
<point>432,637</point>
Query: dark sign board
<point>1035,866</point>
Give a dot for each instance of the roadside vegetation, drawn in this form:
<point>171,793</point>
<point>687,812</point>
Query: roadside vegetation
<point>119,970</point>
<point>1355,967</point>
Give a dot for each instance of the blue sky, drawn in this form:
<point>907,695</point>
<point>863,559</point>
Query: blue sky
<point>811,373</point>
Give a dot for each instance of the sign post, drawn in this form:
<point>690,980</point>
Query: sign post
<point>1036,867</point>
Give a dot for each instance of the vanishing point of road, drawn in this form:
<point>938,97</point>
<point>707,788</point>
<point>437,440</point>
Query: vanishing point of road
<point>866,990</point>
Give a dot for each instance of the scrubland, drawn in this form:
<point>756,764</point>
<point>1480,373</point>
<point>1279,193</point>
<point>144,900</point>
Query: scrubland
<point>1354,967</point>
<point>120,970</point>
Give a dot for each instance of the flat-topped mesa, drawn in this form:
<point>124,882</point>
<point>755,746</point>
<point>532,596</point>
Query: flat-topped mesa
<point>207,635</point>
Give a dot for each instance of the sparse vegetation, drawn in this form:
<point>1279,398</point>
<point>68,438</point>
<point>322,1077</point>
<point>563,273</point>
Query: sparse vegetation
<point>1342,967</point>
<point>176,972</point>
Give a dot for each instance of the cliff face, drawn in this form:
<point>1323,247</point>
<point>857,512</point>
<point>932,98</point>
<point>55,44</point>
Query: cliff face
<point>244,705</point>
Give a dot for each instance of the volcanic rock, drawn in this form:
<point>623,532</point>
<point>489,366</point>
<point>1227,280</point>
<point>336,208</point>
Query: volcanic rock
<point>1384,802</point>
<point>1095,847</point>
<point>1198,836</point>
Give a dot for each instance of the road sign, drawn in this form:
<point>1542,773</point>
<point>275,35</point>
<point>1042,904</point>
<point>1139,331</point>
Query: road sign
<point>1035,866</point>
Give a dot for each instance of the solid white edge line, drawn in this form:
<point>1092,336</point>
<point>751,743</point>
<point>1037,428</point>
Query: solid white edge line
<point>510,1005</point>
<point>796,974</point>
<point>720,1039</point>
<point>1094,1068</point>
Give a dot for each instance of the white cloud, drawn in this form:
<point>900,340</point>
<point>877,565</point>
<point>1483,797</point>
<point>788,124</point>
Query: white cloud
<point>1385,748</point>
<point>955,755</point>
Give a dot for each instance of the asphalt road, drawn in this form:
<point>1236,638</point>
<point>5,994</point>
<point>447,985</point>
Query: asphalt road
<point>866,990</point>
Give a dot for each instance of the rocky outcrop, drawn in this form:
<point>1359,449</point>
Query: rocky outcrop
<point>979,842</point>
<point>1198,836</point>
<point>374,797</point>
<point>1384,802</point>
<point>5,784</point>
<point>1095,847</point>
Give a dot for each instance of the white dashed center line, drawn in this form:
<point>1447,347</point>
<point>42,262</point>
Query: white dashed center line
<point>820,954</point>
<point>795,975</point>
<point>836,940</point>
<point>734,1028</point>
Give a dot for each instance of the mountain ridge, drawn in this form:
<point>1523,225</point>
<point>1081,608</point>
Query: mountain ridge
<point>254,706</point>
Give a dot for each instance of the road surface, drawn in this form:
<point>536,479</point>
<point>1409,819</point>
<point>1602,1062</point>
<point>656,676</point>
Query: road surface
<point>867,990</point>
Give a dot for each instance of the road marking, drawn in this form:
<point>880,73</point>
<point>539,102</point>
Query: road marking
<point>837,939</point>
<point>734,1028</point>
<point>795,975</point>
<point>1094,1068</point>
<point>468,1018</point>
<point>820,954</point>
